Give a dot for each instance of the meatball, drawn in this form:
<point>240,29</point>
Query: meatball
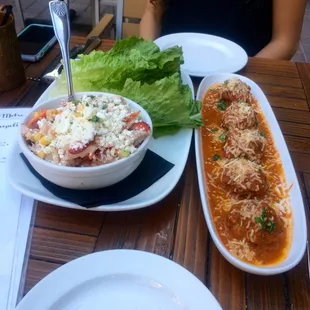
<point>244,177</point>
<point>255,221</point>
<point>239,115</point>
<point>248,143</point>
<point>236,90</point>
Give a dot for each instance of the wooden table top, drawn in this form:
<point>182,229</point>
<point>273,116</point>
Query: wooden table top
<point>175,227</point>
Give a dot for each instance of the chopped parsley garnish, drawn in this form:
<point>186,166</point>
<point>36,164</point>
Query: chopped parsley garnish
<point>263,134</point>
<point>226,82</point>
<point>270,226</point>
<point>216,157</point>
<point>212,89</point>
<point>75,102</point>
<point>265,223</point>
<point>104,106</point>
<point>95,119</point>
<point>91,97</point>
<point>221,105</point>
<point>87,104</point>
<point>214,130</point>
<point>222,137</point>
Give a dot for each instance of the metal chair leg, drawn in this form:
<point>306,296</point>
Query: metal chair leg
<point>20,12</point>
<point>119,19</point>
<point>95,12</point>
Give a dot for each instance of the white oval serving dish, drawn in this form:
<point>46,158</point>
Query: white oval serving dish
<point>299,229</point>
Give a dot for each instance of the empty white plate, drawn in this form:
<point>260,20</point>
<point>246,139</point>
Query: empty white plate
<point>119,280</point>
<point>206,54</point>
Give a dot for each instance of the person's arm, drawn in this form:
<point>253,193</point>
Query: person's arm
<point>288,18</point>
<point>150,25</point>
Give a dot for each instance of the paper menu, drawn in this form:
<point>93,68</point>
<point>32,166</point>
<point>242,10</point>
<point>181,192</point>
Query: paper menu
<point>15,215</point>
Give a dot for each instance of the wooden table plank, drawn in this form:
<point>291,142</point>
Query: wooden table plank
<point>301,162</point>
<point>283,91</point>
<point>69,220</point>
<point>304,73</point>
<point>227,283</point>
<point>271,67</point>
<point>275,80</point>
<point>298,278</point>
<point>191,235</point>
<point>292,116</point>
<point>59,247</point>
<point>295,129</point>
<point>37,270</point>
<point>288,103</point>
<point>149,229</point>
<point>307,185</point>
<point>266,292</point>
<point>298,144</point>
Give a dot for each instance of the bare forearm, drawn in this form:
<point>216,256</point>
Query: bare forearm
<point>149,27</point>
<point>278,50</point>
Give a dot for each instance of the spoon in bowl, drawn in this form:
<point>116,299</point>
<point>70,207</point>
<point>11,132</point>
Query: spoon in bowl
<point>60,19</point>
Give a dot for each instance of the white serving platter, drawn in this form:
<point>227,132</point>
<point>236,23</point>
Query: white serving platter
<point>299,232</point>
<point>120,280</point>
<point>174,148</point>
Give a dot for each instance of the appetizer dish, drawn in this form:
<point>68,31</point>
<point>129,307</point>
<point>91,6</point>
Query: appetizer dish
<point>92,131</point>
<point>247,191</point>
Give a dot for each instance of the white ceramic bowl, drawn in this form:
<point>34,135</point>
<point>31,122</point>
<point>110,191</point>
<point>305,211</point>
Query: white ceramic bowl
<point>86,177</point>
<point>299,229</point>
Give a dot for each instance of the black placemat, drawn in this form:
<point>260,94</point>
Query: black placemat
<point>152,168</point>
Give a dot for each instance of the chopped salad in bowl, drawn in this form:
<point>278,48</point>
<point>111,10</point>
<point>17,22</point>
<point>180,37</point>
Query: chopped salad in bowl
<point>95,141</point>
<point>90,131</point>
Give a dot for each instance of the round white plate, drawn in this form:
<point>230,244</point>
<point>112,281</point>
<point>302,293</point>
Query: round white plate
<point>119,280</point>
<point>206,54</point>
<point>173,148</point>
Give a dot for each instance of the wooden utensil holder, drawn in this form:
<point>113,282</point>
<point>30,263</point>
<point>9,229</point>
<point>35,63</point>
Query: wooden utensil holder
<point>12,73</point>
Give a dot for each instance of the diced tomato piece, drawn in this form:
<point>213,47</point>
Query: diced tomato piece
<point>131,117</point>
<point>78,148</point>
<point>140,126</point>
<point>37,116</point>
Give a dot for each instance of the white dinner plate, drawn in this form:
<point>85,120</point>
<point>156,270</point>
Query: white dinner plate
<point>120,280</point>
<point>206,54</point>
<point>174,148</point>
<point>299,229</point>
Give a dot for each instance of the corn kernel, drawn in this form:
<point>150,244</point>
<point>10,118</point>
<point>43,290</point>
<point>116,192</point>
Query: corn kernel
<point>50,113</point>
<point>37,136</point>
<point>41,154</point>
<point>78,114</point>
<point>36,114</point>
<point>45,141</point>
<point>80,107</point>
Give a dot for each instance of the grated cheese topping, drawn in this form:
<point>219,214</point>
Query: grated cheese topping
<point>241,169</point>
<point>246,143</point>
<point>80,128</point>
<point>239,115</point>
<point>241,249</point>
<point>237,89</point>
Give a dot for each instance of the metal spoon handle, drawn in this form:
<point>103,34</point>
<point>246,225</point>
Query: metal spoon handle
<point>60,18</point>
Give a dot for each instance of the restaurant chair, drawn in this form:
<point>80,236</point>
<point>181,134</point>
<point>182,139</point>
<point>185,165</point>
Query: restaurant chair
<point>128,17</point>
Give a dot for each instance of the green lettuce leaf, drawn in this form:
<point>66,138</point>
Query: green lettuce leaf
<point>137,69</point>
<point>132,57</point>
<point>168,102</point>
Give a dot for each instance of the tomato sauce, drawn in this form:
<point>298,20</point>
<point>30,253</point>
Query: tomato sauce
<point>273,244</point>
